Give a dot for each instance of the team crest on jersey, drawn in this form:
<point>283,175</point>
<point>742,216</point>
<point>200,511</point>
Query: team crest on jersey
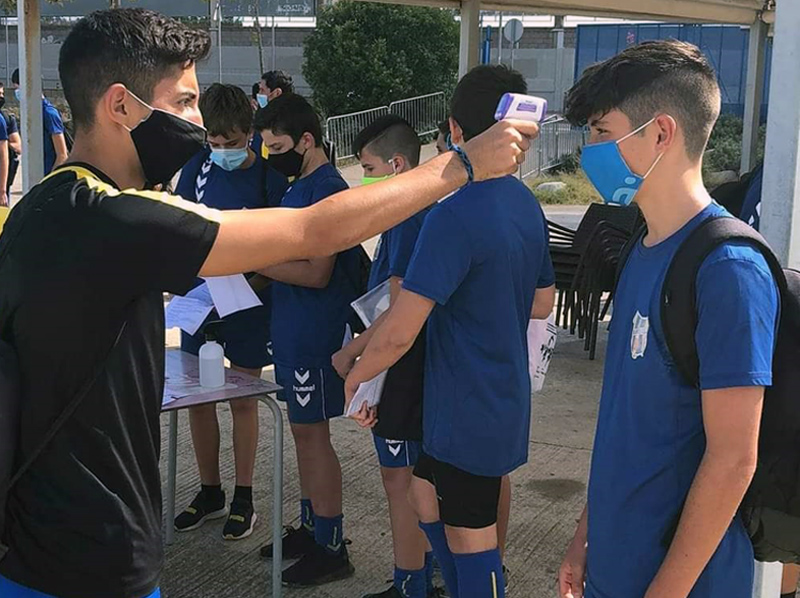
<point>641,329</point>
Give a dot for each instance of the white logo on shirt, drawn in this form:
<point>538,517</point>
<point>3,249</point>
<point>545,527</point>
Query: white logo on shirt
<point>641,328</point>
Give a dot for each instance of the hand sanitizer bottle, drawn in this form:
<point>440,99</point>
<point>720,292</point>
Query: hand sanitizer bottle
<point>212,358</point>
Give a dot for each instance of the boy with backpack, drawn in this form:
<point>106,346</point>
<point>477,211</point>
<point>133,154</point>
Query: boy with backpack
<point>690,350</point>
<point>386,147</point>
<point>310,313</point>
<point>481,269</point>
<point>229,175</point>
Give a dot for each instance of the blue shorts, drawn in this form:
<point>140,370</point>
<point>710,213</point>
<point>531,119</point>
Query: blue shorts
<point>397,453</point>
<point>9,589</point>
<point>245,337</point>
<point>311,395</point>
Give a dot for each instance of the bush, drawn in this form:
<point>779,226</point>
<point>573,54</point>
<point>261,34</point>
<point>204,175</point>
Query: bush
<point>724,150</point>
<point>579,190</point>
<point>363,55</point>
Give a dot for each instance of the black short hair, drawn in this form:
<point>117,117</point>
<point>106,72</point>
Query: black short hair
<point>226,108</point>
<point>278,80</point>
<point>444,127</point>
<point>255,90</point>
<point>477,95</point>
<point>652,78</point>
<point>15,77</point>
<point>132,46</point>
<point>291,115</point>
<point>387,136</point>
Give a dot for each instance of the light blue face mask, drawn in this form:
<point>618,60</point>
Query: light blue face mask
<point>610,174</point>
<point>262,99</point>
<point>229,159</point>
<point>18,94</point>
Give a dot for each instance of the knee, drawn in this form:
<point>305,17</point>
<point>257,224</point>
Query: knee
<point>396,482</point>
<point>244,407</point>
<point>424,502</point>
<point>310,436</point>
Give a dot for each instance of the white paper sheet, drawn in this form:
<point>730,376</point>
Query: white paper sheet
<point>231,294</point>
<point>542,335</point>
<point>369,392</point>
<point>371,305</point>
<point>188,313</point>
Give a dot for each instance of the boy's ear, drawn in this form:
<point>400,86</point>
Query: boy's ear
<point>456,133</point>
<point>400,163</point>
<point>668,129</point>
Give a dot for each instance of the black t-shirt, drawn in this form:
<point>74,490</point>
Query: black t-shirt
<point>85,522</point>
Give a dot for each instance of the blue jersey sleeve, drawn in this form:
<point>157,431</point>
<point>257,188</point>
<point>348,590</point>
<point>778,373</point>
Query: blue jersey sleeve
<point>737,310</point>
<point>186,182</point>
<point>442,257</point>
<point>53,125</point>
<point>277,184</point>
<point>327,187</point>
<point>11,123</point>
<point>3,130</point>
<point>400,244</point>
<point>547,275</point>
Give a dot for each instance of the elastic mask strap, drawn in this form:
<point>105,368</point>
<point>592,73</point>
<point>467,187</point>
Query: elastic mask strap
<point>635,131</point>
<point>653,167</point>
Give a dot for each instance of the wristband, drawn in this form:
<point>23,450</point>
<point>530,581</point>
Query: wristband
<point>466,161</point>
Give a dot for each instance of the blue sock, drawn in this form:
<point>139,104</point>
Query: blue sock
<point>410,584</point>
<point>307,515</point>
<point>429,571</point>
<point>328,533</point>
<point>438,540</point>
<point>480,575</point>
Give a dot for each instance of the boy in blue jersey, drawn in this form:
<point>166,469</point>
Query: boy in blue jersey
<point>310,311</point>
<point>671,462</point>
<point>480,260</point>
<point>228,175</point>
<point>386,147</point>
<point>55,141</point>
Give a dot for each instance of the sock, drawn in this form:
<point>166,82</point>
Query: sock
<point>429,571</point>
<point>243,493</point>
<point>789,595</point>
<point>410,584</point>
<point>214,496</point>
<point>480,575</point>
<point>438,540</point>
<point>328,533</point>
<point>307,515</point>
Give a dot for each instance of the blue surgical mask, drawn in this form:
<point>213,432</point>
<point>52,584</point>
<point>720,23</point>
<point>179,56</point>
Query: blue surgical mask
<point>229,159</point>
<point>262,99</point>
<point>610,174</point>
<point>18,94</point>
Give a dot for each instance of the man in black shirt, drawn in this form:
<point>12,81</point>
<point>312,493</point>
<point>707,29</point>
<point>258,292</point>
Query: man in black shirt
<point>84,521</point>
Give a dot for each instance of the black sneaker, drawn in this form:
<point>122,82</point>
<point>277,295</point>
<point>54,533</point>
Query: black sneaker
<point>297,541</point>
<point>392,592</point>
<point>240,522</point>
<point>506,576</point>
<point>198,512</point>
<point>318,567</point>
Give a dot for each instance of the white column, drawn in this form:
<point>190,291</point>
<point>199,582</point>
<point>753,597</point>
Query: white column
<point>754,93</point>
<point>30,80</point>
<point>780,210</point>
<point>470,36</point>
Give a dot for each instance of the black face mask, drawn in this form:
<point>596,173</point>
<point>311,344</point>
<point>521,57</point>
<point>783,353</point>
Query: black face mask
<point>289,164</point>
<point>165,142</point>
<point>2,102</point>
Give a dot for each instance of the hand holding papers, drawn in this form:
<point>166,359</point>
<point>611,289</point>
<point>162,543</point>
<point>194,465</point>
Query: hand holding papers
<point>228,294</point>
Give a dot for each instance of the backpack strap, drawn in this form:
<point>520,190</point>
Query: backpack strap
<point>679,293</point>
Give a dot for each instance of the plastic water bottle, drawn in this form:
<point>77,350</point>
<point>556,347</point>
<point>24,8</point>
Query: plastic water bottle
<point>212,358</point>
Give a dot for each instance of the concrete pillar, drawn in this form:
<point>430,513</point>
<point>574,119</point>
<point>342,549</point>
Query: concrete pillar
<point>560,90</point>
<point>30,79</point>
<point>470,36</point>
<point>754,93</point>
<point>780,210</point>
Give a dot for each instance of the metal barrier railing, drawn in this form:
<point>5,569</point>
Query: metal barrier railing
<point>556,140</point>
<point>424,113</point>
<point>342,130</point>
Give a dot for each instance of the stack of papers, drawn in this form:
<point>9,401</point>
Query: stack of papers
<point>368,393</point>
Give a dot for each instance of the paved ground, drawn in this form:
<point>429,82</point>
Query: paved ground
<point>548,496</point>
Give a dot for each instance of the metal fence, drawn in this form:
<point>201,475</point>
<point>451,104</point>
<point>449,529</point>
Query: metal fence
<point>424,113</point>
<point>557,139</point>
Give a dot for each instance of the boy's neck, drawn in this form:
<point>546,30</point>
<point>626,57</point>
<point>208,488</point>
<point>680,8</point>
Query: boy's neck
<point>316,159</point>
<point>671,201</point>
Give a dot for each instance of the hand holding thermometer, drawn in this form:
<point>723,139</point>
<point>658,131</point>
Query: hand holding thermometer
<point>522,107</point>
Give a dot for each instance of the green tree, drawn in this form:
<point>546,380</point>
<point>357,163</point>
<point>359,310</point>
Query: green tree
<point>364,55</point>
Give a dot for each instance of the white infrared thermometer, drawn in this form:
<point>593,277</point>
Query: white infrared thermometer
<point>522,107</point>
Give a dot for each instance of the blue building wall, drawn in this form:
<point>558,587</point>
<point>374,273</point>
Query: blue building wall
<point>725,46</point>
